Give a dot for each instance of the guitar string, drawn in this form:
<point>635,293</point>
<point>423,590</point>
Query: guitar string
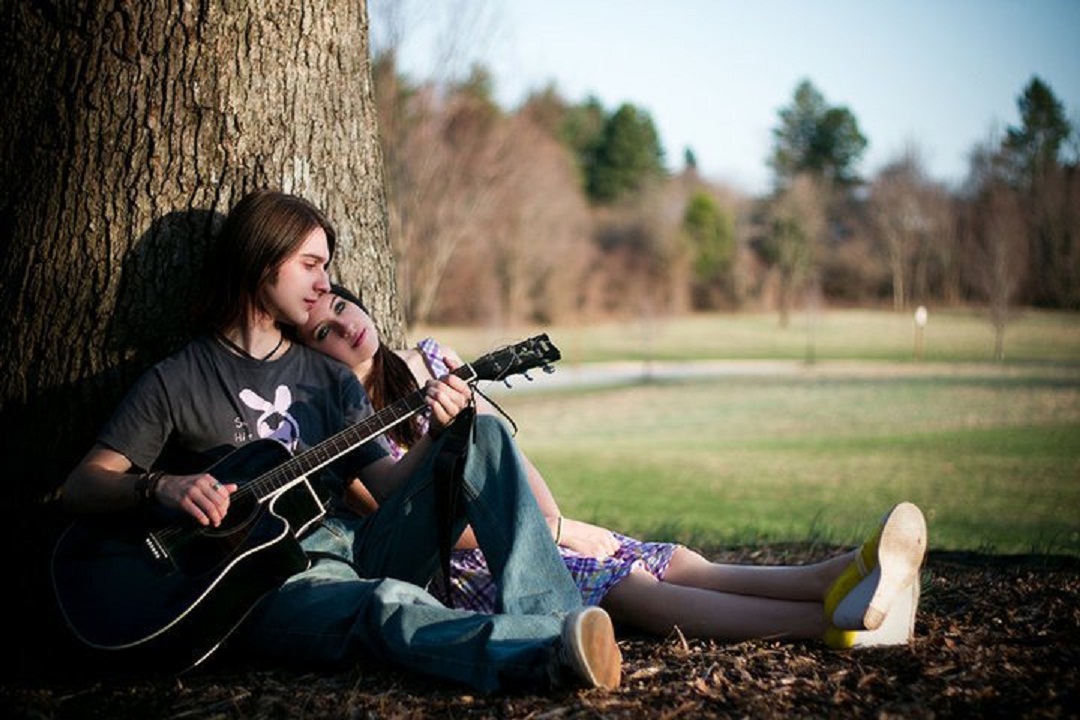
<point>314,457</point>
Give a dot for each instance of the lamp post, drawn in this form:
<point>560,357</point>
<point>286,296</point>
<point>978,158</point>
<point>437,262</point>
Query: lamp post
<point>920,329</point>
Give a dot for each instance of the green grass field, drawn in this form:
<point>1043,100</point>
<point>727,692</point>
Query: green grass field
<point>776,451</point>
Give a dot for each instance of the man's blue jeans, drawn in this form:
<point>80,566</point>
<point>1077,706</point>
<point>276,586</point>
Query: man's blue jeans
<point>337,613</point>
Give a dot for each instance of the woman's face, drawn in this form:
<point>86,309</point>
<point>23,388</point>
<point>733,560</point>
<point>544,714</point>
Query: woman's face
<point>340,329</point>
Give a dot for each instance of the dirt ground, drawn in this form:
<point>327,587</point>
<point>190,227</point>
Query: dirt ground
<point>996,637</point>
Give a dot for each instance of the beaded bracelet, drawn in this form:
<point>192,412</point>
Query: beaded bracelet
<point>146,487</point>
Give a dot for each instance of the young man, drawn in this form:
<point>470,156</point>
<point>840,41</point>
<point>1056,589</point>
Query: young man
<point>244,380</point>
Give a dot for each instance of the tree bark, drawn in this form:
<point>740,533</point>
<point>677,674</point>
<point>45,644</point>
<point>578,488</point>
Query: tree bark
<point>128,131</point>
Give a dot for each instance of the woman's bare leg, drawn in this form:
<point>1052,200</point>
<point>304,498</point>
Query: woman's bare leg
<point>656,607</point>
<point>783,582</point>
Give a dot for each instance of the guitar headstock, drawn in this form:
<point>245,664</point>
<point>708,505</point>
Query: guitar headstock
<point>536,352</point>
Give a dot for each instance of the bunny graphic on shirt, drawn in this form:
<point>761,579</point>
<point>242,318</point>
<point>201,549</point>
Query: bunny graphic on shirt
<point>274,421</point>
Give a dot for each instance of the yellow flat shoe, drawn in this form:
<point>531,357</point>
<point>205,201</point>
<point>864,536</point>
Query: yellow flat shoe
<point>898,628</point>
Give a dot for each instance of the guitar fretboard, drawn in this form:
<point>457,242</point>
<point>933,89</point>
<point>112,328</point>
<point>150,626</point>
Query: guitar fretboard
<point>321,455</point>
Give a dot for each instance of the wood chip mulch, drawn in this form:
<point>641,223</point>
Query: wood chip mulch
<point>996,637</point>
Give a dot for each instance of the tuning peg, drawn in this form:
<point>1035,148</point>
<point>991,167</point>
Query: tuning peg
<point>526,376</point>
<point>506,382</point>
<point>548,369</point>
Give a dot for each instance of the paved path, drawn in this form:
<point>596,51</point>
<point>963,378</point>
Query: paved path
<point>616,373</point>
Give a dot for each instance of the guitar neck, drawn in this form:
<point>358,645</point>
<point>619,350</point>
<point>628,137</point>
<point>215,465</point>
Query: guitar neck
<point>326,452</point>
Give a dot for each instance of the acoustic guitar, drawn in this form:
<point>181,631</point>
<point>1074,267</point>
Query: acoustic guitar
<point>172,590</point>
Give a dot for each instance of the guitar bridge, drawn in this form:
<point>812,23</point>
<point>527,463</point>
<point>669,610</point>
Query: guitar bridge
<point>156,548</point>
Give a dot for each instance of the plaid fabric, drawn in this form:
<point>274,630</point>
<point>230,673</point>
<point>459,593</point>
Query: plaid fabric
<point>473,588</point>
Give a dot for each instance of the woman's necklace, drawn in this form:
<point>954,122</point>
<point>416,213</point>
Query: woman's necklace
<point>241,351</point>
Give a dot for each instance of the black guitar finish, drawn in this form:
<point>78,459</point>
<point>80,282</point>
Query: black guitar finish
<point>178,590</point>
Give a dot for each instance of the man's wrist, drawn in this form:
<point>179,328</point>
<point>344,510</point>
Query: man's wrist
<point>146,486</point>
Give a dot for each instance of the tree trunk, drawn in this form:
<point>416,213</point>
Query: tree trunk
<point>129,129</point>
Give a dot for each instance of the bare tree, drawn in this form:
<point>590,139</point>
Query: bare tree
<point>943,250</point>
<point>912,218</point>
<point>523,256</point>
<point>449,167</point>
<point>898,217</point>
<point>437,139</point>
<point>999,256</point>
<point>796,227</point>
<point>540,246</point>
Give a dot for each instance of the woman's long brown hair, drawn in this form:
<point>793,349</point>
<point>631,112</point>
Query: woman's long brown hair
<point>390,379</point>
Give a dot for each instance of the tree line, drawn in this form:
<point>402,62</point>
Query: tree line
<point>558,209</point>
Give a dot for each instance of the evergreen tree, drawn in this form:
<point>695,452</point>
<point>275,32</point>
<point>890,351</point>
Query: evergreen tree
<point>710,234</point>
<point>1034,147</point>
<point>627,155</point>
<point>817,139</point>
<point>580,130</point>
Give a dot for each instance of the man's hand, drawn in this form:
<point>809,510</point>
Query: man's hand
<point>200,496</point>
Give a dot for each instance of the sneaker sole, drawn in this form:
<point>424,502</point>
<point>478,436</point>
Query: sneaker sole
<point>900,555</point>
<point>596,650</point>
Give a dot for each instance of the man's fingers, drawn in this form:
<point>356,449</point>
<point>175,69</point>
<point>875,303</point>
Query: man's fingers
<point>214,499</point>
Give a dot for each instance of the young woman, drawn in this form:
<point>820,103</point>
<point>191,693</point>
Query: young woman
<point>865,597</point>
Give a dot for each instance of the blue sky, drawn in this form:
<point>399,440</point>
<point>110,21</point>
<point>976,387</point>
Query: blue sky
<point>942,76</point>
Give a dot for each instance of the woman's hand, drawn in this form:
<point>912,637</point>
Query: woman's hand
<point>588,540</point>
<point>445,399</point>
<point>200,496</point>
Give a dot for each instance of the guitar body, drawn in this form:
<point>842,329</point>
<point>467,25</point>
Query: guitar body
<point>175,591</point>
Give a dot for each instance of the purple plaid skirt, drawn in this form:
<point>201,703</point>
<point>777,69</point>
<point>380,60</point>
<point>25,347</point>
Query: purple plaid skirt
<point>473,588</point>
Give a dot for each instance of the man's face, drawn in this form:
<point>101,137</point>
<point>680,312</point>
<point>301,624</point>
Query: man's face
<point>299,281</point>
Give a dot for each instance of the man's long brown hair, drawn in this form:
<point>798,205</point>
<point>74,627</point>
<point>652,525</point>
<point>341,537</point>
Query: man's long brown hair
<point>261,232</point>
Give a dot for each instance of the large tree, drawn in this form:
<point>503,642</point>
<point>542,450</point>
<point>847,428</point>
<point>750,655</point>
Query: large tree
<point>129,128</point>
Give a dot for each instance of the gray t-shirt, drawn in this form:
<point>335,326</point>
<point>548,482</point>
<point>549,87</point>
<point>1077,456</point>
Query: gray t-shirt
<point>195,406</point>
